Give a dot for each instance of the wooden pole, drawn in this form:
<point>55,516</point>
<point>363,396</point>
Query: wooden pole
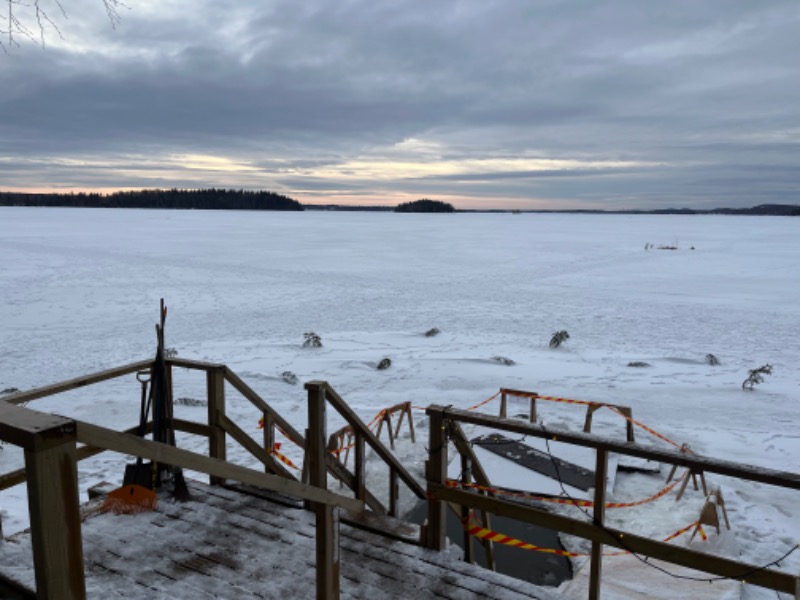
<point>533,409</point>
<point>466,477</point>
<point>601,474</point>
<point>394,492</point>
<point>269,435</point>
<point>327,516</point>
<point>360,467</point>
<point>215,385</point>
<point>436,472</point>
<point>55,522</point>
<point>503,406</point>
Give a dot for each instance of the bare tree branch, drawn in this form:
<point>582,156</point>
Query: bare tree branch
<point>14,26</point>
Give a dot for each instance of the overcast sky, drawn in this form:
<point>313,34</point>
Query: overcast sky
<point>482,103</point>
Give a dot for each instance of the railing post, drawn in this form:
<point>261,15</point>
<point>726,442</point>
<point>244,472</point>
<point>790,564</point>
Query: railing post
<point>360,467</point>
<point>466,476</point>
<point>600,477</point>
<point>533,409</point>
<point>215,384</point>
<point>394,492</point>
<point>55,517</point>
<point>436,472</point>
<point>269,435</point>
<point>503,404</point>
<point>327,515</point>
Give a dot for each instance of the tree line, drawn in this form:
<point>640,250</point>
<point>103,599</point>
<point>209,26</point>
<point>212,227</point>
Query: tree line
<point>207,199</point>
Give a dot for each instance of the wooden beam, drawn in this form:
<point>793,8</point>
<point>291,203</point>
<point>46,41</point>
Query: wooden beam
<point>436,473</point>
<point>249,444</point>
<point>33,430</point>
<point>360,469</point>
<point>162,453</point>
<point>197,365</point>
<point>256,400</point>
<point>55,521</point>
<point>269,433</point>
<point>343,409</point>
<point>215,382</point>
<point>751,473</point>
<point>596,566</point>
<point>191,427</point>
<point>716,565</point>
<point>327,517</point>
<point>12,478</point>
<point>72,384</point>
<point>327,521</point>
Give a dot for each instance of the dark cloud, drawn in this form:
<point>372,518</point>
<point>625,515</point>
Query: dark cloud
<point>674,104</point>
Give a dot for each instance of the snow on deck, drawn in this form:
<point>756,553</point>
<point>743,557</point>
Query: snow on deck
<point>226,544</point>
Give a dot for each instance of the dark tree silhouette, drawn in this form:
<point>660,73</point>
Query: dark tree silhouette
<point>210,199</point>
<point>425,206</point>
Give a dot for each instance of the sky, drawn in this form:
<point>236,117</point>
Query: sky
<point>521,104</point>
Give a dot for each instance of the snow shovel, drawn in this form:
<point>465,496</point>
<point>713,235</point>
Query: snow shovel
<point>136,494</point>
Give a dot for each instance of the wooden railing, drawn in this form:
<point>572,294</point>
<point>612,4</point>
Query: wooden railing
<point>320,392</point>
<point>444,420</point>
<point>52,453</point>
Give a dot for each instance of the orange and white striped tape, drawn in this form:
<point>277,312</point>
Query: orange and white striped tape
<point>475,529</point>
<point>565,501</point>
<point>282,457</point>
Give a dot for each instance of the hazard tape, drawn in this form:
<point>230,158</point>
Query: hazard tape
<point>479,404</point>
<point>599,404</point>
<point>643,426</point>
<point>283,458</point>
<point>475,529</point>
<point>565,501</point>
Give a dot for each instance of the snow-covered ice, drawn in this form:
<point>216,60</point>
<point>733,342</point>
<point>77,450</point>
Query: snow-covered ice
<point>80,291</point>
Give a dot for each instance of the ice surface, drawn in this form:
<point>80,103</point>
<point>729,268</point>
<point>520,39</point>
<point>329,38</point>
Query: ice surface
<point>80,292</point>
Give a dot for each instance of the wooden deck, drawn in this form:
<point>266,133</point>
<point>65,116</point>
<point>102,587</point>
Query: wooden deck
<point>227,544</point>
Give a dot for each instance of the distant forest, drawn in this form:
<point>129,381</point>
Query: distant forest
<point>211,199</point>
<point>214,199</point>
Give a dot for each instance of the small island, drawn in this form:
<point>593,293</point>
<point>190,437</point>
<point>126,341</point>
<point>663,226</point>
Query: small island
<point>425,206</point>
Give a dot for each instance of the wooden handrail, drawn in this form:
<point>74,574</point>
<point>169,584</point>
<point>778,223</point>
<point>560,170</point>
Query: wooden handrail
<point>595,531</point>
<point>785,479</point>
<point>717,565</point>
<point>163,453</point>
<point>358,425</point>
<point>256,400</point>
<point>72,384</point>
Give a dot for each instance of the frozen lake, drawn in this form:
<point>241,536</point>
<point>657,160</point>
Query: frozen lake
<point>80,291</point>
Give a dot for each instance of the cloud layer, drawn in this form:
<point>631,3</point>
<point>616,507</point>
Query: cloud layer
<point>513,103</point>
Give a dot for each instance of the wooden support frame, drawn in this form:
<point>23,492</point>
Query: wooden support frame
<point>626,411</point>
<point>532,396</point>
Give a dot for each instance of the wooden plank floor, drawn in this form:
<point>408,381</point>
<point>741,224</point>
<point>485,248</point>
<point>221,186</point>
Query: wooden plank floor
<point>225,544</point>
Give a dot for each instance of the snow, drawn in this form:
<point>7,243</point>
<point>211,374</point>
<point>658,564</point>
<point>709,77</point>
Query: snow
<point>80,291</point>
